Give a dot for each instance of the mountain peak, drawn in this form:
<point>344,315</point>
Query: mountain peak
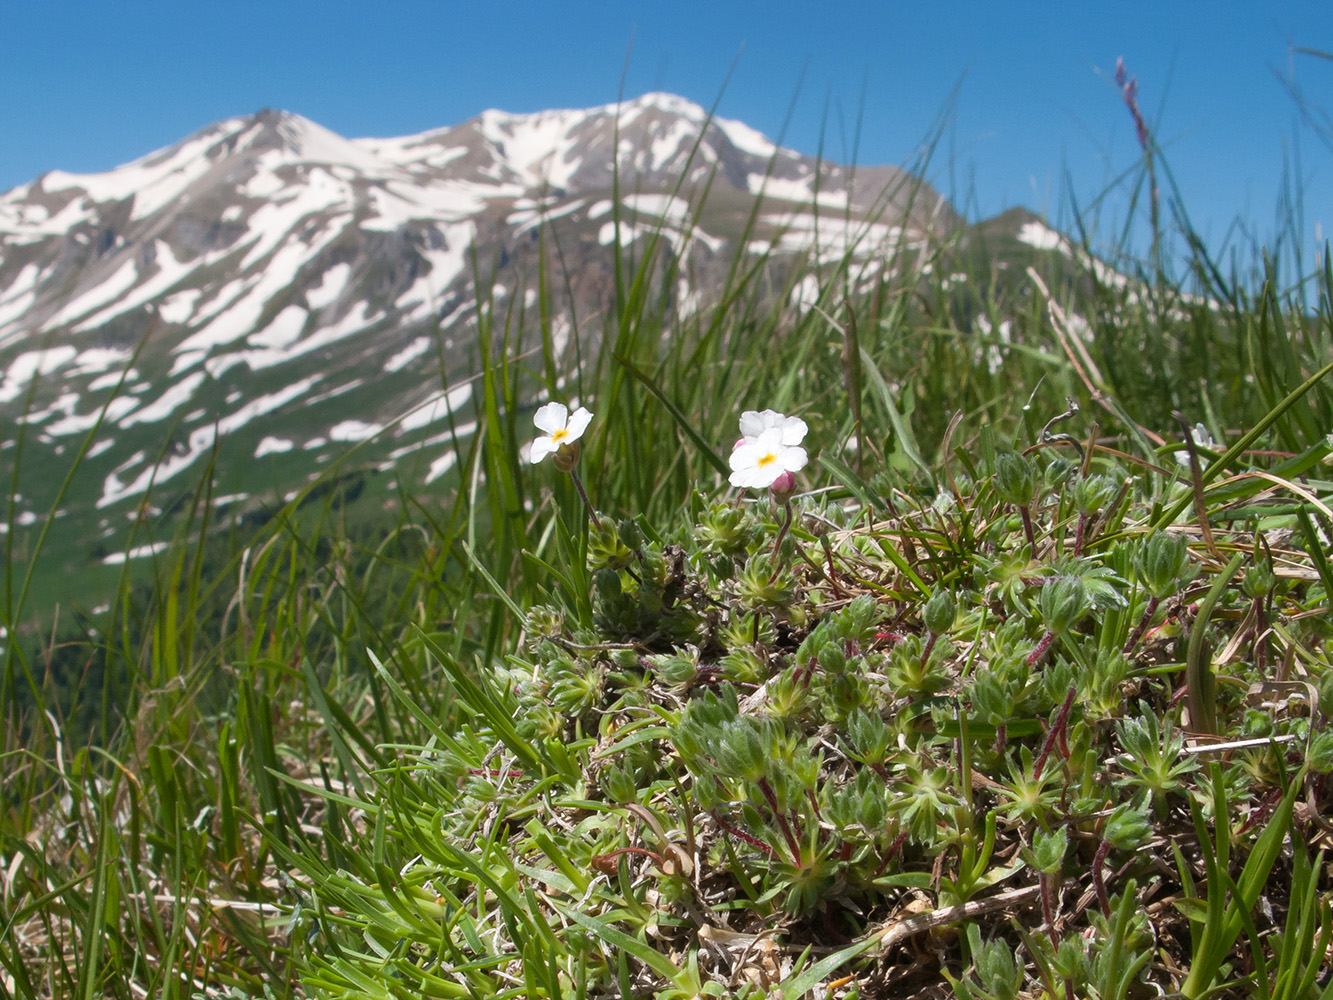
<point>297,139</point>
<point>663,101</point>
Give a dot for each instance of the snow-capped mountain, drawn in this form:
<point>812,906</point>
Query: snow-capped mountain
<point>268,283</point>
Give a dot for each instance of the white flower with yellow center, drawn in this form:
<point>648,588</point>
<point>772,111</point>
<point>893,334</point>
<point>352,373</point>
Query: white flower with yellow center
<point>758,461</point>
<point>562,429</point>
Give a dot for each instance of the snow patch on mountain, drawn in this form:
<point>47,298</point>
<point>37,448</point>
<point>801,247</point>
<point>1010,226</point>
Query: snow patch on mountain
<point>330,286</point>
<point>528,213</point>
<point>407,355</point>
<point>168,403</point>
<point>1034,234</point>
<point>178,308</point>
<point>270,445</point>
<point>75,423</point>
<point>801,191</point>
<point>138,552</point>
<point>282,331</point>
<point>354,430</point>
<point>30,365</point>
<point>441,465</point>
<point>665,206</point>
<point>104,291</point>
<point>436,408</point>
<point>94,360</point>
<point>273,222</point>
<point>19,297</point>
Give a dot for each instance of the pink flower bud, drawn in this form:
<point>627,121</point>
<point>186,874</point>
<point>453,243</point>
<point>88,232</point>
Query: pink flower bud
<point>784,486</point>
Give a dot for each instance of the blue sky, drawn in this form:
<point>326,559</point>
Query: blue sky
<point>1030,112</point>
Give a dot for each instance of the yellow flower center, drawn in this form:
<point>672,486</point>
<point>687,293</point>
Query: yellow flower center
<point>768,459</point>
<point>559,435</point>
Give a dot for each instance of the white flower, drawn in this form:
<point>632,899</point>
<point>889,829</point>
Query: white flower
<point>755,422</point>
<point>759,462</point>
<point>1203,441</point>
<point>562,429</point>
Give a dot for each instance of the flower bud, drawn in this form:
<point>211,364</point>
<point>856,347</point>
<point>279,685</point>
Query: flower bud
<point>1259,579</point>
<point>939,612</point>
<point>784,486</point>
<point>1162,562</point>
<point>567,457</point>
<point>1127,827</point>
<point>1092,493</point>
<point>1062,602</point>
<point>1015,479</point>
<point>1048,850</point>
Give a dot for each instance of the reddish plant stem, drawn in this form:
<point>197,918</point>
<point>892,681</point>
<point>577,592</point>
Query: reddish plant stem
<point>1098,881</point>
<point>889,854</point>
<point>740,834</point>
<point>1078,535</point>
<point>772,799</point>
<point>1142,627</point>
<point>1045,880</point>
<point>1056,735</point>
<point>1026,514</point>
<point>1043,647</point>
<point>583,494</point>
<point>930,645</point>
<point>1263,810</point>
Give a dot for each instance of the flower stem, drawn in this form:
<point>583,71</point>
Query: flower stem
<point>1056,734</point>
<point>1045,880</point>
<point>742,835</point>
<point>888,855</point>
<point>930,646</point>
<point>792,845</point>
<point>1260,642</point>
<point>1027,527</point>
<point>1083,519</point>
<point>578,484</point>
<point>777,542</point>
<point>1142,627</point>
<point>1043,647</point>
<point>1097,878</point>
<point>832,572</point>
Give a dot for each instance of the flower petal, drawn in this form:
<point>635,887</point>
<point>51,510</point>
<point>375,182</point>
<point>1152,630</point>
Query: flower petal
<point>755,477</point>
<point>578,423</point>
<point>793,430</point>
<point>770,440</point>
<point>792,459</point>
<point>551,418</point>
<point>541,447</point>
<point>752,423</point>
